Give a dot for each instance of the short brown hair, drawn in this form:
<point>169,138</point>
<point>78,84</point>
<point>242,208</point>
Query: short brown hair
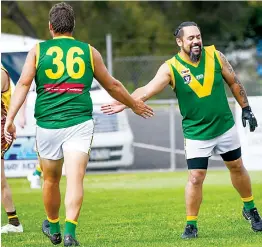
<point>62,18</point>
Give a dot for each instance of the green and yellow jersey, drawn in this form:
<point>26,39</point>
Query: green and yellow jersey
<point>201,95</point>
<point>64,74</point>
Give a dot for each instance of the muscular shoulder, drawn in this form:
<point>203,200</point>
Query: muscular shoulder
<point>222,57</point>
<point>224,62</point>
<point>95,52</point>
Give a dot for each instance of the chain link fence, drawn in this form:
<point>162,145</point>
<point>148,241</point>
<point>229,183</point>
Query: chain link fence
<point>136,71</point>
<point>159,141</point>
<point>153,138</point>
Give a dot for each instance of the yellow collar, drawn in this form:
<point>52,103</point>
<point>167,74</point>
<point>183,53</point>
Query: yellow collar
<point>63,37</point>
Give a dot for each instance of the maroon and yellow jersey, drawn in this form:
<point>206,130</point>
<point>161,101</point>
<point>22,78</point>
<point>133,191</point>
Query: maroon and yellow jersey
<point>5,96</point>
<point>5,102</point>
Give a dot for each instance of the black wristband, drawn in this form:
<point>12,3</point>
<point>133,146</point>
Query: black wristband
<point>246,108</point>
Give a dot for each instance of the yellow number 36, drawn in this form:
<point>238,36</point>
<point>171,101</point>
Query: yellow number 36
<point>70,62</point>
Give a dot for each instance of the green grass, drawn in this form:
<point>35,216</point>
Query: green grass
<point>142,210</point>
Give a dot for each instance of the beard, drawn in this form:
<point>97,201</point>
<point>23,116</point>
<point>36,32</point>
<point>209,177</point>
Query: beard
<point>194,57</point>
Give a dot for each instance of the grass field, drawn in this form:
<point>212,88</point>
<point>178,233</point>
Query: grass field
<point>142,210</point>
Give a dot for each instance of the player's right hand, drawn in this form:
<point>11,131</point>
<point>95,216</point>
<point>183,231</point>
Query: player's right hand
<point>10,131</point>
<point>142,109</point>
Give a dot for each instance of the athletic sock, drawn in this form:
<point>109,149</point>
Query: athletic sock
<point>54,226</point>
<point>70,228</point>
<point>38,171</point>
<point>13,218</point>
<point>191,220</point>
<point>248,203</point>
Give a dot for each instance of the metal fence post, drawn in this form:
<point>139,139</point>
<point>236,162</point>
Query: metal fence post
<point>109,56</point>
<point>172,135</point>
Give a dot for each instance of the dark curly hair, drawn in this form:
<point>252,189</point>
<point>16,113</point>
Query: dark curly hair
<point>62,18</point>
<point>179,31</point>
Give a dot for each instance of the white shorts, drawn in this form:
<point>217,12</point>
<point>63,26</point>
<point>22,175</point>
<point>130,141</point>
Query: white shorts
<point>51,143</point>
<point>222,144</point>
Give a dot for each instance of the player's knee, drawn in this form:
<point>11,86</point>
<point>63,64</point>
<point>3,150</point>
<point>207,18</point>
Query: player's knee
<point>197,177</point>
<point>51,181</point>
<point>235,165</point>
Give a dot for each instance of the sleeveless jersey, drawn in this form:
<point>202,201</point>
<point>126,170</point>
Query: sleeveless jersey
<point>5,102</point>
<point>64,74</point>
<point>5,97</point>
<point>201,95</point>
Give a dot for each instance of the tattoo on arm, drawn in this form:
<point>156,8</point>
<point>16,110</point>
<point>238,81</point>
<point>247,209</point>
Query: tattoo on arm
<point>241,91</point>
<point>228,65</point>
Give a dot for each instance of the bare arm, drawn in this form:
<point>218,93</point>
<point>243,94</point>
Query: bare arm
<point>111,85</point>
<point>23,85</point>
<point>233,82</point>
<point>4,81</point>
<point>155,86</point>
<point>116,89</point>
<point>22,114</point>
<point>239,93</point>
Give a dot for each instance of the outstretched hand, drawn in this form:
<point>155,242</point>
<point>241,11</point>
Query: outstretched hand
<point>112,108</point>
<point>140,108</point>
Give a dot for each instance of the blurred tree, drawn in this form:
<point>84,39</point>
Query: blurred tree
<point>13,12</point>
<point>135,30</point>
<point>142,28</point>
<point>254,28</point>
<point>220,22</point>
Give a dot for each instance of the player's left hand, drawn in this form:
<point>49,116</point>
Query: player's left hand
<point>9,131</point>
<point>112,108</point>
<point>247,115</point>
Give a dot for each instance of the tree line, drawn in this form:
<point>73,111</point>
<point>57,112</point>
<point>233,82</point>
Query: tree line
<point>141,28</point>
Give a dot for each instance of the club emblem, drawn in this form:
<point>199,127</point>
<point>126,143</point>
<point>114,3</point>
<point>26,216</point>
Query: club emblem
<point>186,76</point>
<point>186,71</point>
<point>187,79</point>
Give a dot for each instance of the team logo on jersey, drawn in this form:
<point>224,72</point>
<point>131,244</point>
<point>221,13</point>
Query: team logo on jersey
<point>186,76</point>
<point>199,77</point>
<point>185,71</point>
<point>187,79</point>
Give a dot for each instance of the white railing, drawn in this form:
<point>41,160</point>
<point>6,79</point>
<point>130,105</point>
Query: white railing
<point>171,103</point>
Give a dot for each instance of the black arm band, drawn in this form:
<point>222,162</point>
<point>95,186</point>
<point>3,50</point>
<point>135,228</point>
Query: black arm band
<point>246,108</point>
